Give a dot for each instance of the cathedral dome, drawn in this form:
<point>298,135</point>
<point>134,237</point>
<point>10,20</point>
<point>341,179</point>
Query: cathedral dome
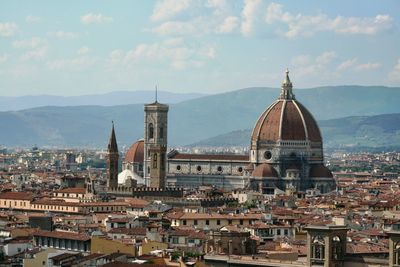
<point>136,152</point>
<point>286,119</point>
<point>264,170</point>
<point>320,171</point>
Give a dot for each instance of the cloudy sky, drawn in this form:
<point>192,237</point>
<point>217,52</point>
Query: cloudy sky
<point>210,46</point>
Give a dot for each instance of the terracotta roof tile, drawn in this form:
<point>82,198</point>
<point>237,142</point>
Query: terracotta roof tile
<point>64,235</point>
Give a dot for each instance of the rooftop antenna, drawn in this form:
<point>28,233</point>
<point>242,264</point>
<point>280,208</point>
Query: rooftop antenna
<point>156,93</point>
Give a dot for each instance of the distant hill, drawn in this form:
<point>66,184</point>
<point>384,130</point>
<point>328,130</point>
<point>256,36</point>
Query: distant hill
<point>108,99</point>
<point>360,131</point>
<point>189,121</point>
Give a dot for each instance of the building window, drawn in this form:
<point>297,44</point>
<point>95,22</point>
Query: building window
<point>207,222</point>
<point>229,221</point>
<point>278,232</point>
<point>184,222</point>
<point>151,130</point>
<point>286,232</point>
<point>195,222</point>
<point>218,222</point>
<point>267,155</point>
<point>241,222</point>
<point>317,249</point>
<point>154,160</point>
<point>161,132</point>
<point>240,169</point>
<point>219,169</point>
<point>178,167</point>
<point>198,168</point>
<point>337,250</point>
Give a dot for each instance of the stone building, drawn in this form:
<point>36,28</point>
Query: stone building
<point>155,144</point>
<point>286,152</point>
<point>112,161</point>
<point>286,147</point>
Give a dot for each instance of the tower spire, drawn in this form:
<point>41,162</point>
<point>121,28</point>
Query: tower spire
<point>156,93</point>
<point>112,143</point>
<point>112,160</point>
<point>286,88</point>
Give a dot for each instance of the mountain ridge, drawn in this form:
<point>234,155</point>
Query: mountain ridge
<point>190,121</point>
<point>123,97</point>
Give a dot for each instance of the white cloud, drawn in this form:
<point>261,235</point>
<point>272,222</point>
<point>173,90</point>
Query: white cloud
<point>167,9</point>
<point>355,25</point>
<point>175,54</point>
<point>3,58</point>
<point>8,29</point>
<point>228,25</point>
<point>91,18</point>
<point>326,57</point>
<point>116,56</point>
<point>36,46</point>
<point>303,25</point>
<point>29,43</point>
<point>313,67</point>
<point>368,66</point>
<point>221,8</point>
<point>83,50</point>
<point>394,75</point>
<point>301,60</point>
<point>352,64</point>
<point>73,64</point>
<point>173,41</point>
<point>175,28</point>
<point>32,19</point>
<point>211,53</point>
<point>63,35</point>
<point>249,16</point>
<point>35,54</point>
<point>218,4</point>
<point>194,17</point>
<point>347,64</point>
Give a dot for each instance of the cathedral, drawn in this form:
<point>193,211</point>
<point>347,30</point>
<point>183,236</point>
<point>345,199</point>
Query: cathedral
<point>286,152</point>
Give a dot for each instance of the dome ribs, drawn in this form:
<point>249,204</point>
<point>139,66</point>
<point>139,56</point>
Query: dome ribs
<point>314,134</point>
<point>292,123</point>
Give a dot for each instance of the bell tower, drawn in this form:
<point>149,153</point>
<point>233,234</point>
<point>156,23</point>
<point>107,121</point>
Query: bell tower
<point>112,161</point>
<point>155,144</point>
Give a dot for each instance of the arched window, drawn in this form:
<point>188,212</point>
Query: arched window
<point>318,249</point>
<point>161,132</point>
<point>337,251</point>
<point>396,254</point>
<point>151,130</point>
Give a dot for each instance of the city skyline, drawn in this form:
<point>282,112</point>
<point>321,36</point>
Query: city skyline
<point>194,46</point>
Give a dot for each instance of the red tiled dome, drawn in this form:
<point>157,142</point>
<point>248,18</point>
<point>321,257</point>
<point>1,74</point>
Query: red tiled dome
<point>286,120</point>
<point>264,170</point>
<point>320,171</point>
<point>135,153</point>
